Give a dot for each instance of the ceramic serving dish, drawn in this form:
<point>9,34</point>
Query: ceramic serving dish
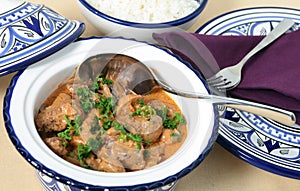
<point>30,32</point>
<point>30,87</point>
<point>112,26</point>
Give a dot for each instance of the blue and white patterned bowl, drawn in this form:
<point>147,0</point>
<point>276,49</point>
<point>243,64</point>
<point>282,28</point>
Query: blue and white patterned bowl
<point>30,32</point>
<point>30,87</point>
<point>113,26</point>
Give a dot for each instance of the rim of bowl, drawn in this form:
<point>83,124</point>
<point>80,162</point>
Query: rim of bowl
<point>69,181</point>
<point>176,22</point>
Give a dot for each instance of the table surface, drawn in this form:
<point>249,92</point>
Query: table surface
<point>219,171</point>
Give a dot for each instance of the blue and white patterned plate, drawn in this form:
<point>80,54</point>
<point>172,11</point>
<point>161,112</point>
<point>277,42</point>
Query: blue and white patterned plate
<point>30,32</point>
<point>254,139</point>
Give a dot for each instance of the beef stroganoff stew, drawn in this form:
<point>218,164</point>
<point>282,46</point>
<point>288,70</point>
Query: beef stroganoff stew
<point>98,125</point>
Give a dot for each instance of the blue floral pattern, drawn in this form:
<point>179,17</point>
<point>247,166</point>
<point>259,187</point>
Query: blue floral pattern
<point>261,142</point>
<point>31,32</point>
<point>50,184</point>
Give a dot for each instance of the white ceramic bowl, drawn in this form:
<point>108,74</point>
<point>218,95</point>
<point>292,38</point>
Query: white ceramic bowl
<point>30,32</point>
<point>30,87</point>
<point>112,26</point>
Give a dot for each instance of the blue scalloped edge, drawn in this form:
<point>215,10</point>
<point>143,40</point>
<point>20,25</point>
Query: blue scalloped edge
<point>79,29</point>
<point>76,184</point>
<point>238,10</point>
<point>236,151</point>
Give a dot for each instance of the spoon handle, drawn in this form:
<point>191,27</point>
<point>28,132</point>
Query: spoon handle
<point>280,115</point>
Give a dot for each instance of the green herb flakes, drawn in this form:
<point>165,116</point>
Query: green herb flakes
<point>174,121</point>
<point>144,110</point>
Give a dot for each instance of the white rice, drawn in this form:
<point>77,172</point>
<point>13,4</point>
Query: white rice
<point>146,11</point>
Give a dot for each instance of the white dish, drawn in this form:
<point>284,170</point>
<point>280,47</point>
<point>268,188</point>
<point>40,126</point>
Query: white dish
<point>30,87</point>
<point>112,26</point>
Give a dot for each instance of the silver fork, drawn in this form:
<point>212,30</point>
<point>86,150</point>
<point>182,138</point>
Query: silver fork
<point>229,77</point>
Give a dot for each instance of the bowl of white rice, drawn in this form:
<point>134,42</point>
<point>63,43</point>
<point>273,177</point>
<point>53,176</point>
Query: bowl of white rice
<point>139,19</point>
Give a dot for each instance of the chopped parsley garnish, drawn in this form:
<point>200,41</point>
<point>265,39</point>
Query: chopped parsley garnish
<point>174,121</point>
<point>144,110</point>
<point>119,127</point>
<point>83,151</point>
<point>100,79</point>
<point>72,129</point>
<point>105,105</point>
<point>137,138</point>
<point>83,92</point>
<point>107,124</point>
<point>104,80</point>
<point>85,96</point>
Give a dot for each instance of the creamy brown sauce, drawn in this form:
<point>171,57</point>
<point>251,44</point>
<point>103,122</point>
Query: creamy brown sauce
<point>133,133</point>
<point>170,103</point>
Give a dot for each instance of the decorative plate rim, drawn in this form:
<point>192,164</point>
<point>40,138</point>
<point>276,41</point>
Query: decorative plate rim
<point>234,144</point>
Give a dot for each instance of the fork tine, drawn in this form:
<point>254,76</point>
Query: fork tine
<point>227,86</point>
<point>214,79</point>
<point>229,77</point>
<point>218,84</point>
<point>222,84</point>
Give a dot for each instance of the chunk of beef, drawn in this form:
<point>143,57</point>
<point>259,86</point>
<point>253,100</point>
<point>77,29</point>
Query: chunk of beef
<point>56,145</point>
<point>131,157</point>
<point>123,155</point>
<point>109,167</point>
<point>101,165</point>
<point>154,154</point>
<point>52,117</point>
<point>90,126</point>
<point>105,90</point>
<point>110,163</point>
<point>150,130</point>
<point>156,104</point>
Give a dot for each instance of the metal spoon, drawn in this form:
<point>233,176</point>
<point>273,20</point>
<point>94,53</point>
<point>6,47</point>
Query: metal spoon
<point>143,79</point>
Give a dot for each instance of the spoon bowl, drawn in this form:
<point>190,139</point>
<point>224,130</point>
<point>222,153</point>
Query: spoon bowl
<point>128,73</point>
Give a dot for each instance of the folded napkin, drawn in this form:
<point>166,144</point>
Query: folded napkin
<point>270,77</point>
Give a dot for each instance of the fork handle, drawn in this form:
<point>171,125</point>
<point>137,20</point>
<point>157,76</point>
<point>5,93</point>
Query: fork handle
<point>277,114</point>
<point>279,30</point>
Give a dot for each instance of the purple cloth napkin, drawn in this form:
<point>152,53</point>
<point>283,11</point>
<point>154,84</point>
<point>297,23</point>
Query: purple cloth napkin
<point>270,77</point>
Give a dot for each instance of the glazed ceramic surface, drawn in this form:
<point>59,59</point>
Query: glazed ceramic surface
<point>30,87</point>
<point>261,142</point>
<point>50,184</point>
<point>141,31</point>
<point>30,32</point>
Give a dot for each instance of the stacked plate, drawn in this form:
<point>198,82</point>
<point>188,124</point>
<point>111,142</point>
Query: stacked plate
<point>254,139</point>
